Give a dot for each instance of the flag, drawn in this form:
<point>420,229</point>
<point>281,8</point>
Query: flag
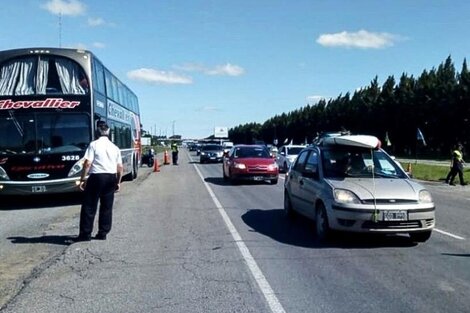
<point>420,137</point>
<point>387,140</point>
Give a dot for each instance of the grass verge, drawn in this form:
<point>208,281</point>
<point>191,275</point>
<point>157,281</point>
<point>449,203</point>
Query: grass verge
<point>434,172</point>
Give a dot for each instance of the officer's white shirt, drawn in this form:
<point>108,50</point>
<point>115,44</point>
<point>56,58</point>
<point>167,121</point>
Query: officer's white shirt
<point>104,156</point>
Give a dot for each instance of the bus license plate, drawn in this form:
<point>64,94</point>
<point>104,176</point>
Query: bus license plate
<point>395,216</point>
<point>38,189</point>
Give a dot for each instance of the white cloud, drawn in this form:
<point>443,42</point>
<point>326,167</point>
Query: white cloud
<point>94,22</point>
<point>226,69</point>
<point>80,46</point>
<point>220,70</point>
<point>312,100</point>
<point>361,39</point>
<point>64,7</point>
<point>208,108</point>
<point>99,45</point>
<point>158,77</point>
<point>98,21</point>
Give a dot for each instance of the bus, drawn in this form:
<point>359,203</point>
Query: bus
<point>51,100</point>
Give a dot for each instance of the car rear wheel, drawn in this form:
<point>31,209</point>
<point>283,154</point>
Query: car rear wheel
<point>322,230</point>
<point>421,236</point>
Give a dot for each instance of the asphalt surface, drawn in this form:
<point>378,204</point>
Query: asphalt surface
<point>174,248</point>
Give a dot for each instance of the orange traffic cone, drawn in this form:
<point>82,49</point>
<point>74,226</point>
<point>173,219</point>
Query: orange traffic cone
<point>166,158</point>
<point>156,167</point>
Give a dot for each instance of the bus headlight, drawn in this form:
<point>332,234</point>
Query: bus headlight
<point>76,168</point>
<point>3,174</point>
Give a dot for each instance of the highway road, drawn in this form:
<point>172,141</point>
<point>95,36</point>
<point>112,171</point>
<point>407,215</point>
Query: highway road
<point>184,240</point>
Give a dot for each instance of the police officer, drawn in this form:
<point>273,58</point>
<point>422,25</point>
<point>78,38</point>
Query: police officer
<point>456,167</point>
<point>174,153</point>
<point>103,162</point>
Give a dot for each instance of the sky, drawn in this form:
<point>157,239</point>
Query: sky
<point>200,64</point>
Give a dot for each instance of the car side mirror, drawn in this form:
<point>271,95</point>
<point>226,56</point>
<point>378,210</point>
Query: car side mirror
<point>226,154</point>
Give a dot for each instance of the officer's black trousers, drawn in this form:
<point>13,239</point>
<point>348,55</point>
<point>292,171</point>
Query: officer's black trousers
<point>99,187</point>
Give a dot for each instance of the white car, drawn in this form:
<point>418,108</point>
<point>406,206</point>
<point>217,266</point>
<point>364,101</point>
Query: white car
<point>286,156</point>
<point>348,183</point>
<point>227,145</point>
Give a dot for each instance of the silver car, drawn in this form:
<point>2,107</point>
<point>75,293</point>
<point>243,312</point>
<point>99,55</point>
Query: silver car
<point>286,155</point>
<point>357,189</point>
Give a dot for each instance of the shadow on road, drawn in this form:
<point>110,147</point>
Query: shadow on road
<point>39,201</point>
<point>56,240</point>
<point>220,181</point>
<point>299,231</point>
<point>217,181</point>
<point>457,254</point>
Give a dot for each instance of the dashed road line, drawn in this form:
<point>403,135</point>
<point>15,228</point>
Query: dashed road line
<point>448,234</point>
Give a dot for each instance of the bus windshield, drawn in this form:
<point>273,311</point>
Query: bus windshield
<point>43,133</point>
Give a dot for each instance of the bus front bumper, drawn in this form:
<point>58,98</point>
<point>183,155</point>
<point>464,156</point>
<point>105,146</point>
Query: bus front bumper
<point>39,187</point>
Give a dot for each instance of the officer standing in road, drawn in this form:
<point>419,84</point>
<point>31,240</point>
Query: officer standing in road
<point>456,166</point>
<point>103,162</point>
<point>174,153</point>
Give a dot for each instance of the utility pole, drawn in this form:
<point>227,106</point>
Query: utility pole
<point>60,30</point>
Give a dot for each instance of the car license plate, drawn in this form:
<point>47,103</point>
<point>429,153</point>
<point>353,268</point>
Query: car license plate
<point>38,189</point>
<point>258,178</point>
<point>394,216</point>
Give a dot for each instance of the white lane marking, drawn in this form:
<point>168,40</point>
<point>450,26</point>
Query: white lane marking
<point>264,286</point>
<point>448,234</point>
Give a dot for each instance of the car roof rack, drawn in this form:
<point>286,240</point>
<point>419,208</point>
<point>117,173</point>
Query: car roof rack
<point>319,139</point>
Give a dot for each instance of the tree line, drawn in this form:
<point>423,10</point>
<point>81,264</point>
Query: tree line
<point>437,102</point>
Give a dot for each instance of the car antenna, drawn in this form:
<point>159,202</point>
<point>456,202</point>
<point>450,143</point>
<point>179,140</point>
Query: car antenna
<point>375,215</point>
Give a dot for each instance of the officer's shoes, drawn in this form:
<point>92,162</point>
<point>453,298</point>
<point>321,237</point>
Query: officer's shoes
<point>81,238</point>
<point>100,236</point>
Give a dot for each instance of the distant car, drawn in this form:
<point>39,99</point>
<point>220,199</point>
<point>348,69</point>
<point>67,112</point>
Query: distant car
<point>198,149</point>
<point>250,162</point>
<point>227,145</point>
<point>348,183</point>
<point>211,153</point>
<point>286,155</point>
<point>274,151</point>
<point>192,146</point>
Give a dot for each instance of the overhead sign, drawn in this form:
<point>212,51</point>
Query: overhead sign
<point>221,132</point>
<point>146,141</point>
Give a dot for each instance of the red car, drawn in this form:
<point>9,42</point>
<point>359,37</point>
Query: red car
<point>250,162</point>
